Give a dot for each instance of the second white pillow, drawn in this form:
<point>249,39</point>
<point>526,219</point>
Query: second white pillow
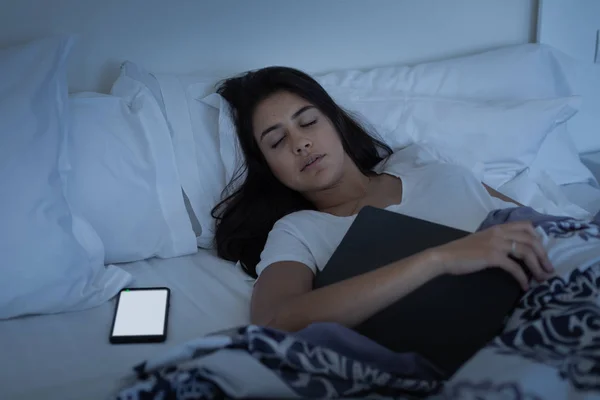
<point>124,179</point>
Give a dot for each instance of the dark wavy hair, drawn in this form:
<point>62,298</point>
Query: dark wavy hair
<point>254,199</point>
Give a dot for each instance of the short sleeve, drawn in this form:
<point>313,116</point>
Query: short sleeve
<point>285,243</point>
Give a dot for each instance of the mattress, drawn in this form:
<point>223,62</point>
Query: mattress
<point>68,356</point>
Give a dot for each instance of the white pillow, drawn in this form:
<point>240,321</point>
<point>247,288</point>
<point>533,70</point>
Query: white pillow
<point>188,121</point>
<point>52,260</point>
<point>125,180</point>
<point>520,72</point>
<point>137,73</point>
<point>503,135</point>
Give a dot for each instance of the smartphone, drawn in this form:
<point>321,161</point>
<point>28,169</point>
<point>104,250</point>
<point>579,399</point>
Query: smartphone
<point>141,316</point>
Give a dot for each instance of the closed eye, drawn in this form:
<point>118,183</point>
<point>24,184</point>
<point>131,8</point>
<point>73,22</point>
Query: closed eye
<point>309,123</point>
<point>277,142</point>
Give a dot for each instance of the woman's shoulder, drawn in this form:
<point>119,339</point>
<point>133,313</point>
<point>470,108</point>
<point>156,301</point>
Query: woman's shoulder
<point>298,221</point>
<point>289,240</point>
<point>309,225</point>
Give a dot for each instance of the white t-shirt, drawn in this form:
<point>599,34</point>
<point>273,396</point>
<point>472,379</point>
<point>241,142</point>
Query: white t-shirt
<point>446,194</point>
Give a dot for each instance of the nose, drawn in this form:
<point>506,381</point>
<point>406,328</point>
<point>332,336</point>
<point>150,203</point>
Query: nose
<point>302,144</point>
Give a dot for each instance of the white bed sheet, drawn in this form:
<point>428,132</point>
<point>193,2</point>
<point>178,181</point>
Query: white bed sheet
<point>68,356</point>
<point>592,161</point>
<point>585,195</point>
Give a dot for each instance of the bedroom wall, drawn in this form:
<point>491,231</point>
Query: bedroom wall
<point>230,35</point>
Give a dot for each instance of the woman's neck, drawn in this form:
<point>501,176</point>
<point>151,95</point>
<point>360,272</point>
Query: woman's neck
<point>350,189</point>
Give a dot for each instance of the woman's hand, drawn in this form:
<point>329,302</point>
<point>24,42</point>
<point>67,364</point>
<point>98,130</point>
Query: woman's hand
<point>492,248</point>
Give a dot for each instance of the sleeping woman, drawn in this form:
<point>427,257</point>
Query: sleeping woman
<point>309,169</point>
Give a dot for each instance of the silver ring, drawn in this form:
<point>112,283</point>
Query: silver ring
<point>513,247</point>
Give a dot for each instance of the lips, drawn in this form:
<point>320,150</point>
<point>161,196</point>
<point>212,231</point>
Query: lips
<point>311,160</point>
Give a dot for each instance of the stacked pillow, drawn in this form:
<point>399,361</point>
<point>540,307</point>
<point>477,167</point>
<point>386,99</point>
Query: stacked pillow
<point>512,102</point>
<point>86,181</point>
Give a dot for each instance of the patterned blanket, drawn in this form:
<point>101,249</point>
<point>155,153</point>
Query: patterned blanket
<point>550,347</point>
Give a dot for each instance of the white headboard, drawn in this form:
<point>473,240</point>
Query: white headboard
<point>234,35</point>
<point>571,26</point>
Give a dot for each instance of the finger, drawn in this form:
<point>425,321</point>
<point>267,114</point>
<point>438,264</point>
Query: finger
<point>514,269</point>
<point>527,254</point>
<point>534,244</point>
<point>522,226</point>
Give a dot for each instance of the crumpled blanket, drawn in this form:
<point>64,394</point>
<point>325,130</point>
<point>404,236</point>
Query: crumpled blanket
<point>324,360</point>
<point>550,347</point>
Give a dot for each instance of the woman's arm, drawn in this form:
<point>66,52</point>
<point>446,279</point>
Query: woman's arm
<point>498,195</point>
<point>284,298</point>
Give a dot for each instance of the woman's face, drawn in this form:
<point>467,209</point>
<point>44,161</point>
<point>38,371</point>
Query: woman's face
<point>300,144</point>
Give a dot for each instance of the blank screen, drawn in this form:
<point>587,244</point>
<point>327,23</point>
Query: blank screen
<point>141,313</point>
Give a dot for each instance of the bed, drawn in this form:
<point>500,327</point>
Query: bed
<point>67,355</point>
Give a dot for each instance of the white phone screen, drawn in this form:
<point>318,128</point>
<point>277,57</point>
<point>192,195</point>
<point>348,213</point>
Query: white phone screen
<point>141,313</point>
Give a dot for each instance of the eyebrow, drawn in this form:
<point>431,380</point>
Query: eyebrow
<point>294,116</point>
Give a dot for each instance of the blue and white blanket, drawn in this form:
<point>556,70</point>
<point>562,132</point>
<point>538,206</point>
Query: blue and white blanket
<point>550,347</point>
